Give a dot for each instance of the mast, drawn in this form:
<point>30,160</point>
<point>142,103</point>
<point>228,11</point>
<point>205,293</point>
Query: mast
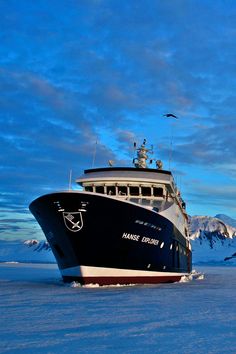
<point>141,160</point>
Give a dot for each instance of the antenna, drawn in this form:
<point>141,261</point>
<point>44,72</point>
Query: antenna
<point>170,153</point>
<point>171,145</point>
<point>135,146</point>
<point>70,177</point>
<point>94,153</point>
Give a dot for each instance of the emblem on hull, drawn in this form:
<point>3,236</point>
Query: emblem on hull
<point>73,220</point>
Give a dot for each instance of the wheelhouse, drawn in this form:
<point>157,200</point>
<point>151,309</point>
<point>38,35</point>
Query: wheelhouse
<point>150,187</point>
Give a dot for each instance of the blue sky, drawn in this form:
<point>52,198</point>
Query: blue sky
<point>76,72</point>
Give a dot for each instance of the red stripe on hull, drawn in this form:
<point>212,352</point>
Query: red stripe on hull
<point>123,280</point>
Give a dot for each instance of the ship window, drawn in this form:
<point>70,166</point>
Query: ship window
<point>88,188</point>
<point>99,189</point>
<point>162,245</point>
<point>171,246</point>
<point>122,190</point>
<point>134,190</point>
<point>157,192</point>
<point>111,190</point>
<point>146,191</point>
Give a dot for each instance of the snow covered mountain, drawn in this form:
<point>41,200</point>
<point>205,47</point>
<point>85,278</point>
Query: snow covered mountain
<point>226,219</point>
<point>213,241</point>
<point>26,251</point>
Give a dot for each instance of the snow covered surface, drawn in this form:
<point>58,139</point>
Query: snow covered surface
<point>39,314</point>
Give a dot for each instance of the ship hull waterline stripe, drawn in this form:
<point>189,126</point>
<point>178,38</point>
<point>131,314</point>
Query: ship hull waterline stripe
<point>106,276</point>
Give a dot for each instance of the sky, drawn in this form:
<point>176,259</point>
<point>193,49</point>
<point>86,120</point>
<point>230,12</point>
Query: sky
<point>77,75</point>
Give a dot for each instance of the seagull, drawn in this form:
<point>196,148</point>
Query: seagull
<point>170,115</point>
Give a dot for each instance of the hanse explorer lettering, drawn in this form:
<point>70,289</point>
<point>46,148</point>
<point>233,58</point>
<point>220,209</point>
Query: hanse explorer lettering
<point>133,237</point>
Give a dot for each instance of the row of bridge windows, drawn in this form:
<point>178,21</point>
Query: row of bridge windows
<point>144,191</point>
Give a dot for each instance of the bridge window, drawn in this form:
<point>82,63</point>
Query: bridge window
<point>122,190</point>
<point>134,190</point>
<point>100,189</point>
<point>88,188</point>
<point>111,190</point>
<point>157,192</point>
<point>146,191</point>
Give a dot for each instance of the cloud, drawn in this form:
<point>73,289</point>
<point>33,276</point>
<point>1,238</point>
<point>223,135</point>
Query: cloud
<point>73,73</point>
<point>202,197</point>
<point>22,225</point>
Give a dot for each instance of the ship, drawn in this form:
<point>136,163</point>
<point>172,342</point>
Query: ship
<point>123,225</point>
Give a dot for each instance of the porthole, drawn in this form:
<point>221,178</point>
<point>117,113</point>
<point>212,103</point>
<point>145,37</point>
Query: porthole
<point>171,246</point>
<point>162,244</point>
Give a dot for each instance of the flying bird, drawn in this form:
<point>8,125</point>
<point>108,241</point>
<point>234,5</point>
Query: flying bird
<point>170,115</point>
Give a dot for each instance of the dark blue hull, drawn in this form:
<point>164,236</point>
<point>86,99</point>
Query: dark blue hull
<point>100,239</point>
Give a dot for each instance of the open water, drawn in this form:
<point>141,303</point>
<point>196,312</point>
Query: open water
<point>39,314</point>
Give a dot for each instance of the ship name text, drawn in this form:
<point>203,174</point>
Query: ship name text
<point>138,238</point>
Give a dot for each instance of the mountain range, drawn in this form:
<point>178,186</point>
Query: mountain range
<point>213,241</point>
